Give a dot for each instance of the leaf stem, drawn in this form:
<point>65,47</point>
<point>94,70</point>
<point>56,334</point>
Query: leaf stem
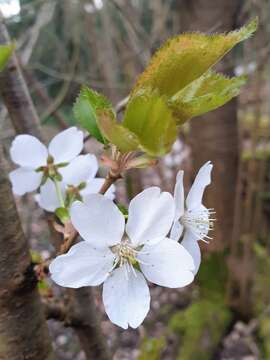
<point>59,193</point>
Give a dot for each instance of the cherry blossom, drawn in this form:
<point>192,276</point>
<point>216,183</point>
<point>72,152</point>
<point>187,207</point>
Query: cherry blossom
<point>191,216</point>
<point>78,183</point>
<point>37,163</point>
<point>123,255</point>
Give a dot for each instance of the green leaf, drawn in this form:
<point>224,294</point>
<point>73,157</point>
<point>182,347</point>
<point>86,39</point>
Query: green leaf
<point>117,134</point>
<point>149,117</point>
<point>188,56</point>
<point>85,109</point>
<point>5,53</point>
<point>206,93</point>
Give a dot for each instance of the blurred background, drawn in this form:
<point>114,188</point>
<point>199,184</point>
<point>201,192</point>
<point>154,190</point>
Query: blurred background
<point>105,44</point>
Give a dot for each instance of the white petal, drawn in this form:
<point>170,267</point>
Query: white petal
<point>98,221</point>
<point>47,198</point>
<point>202,179</point>
<point>126,300</point>
<point>24,180</point>
<point>80,170</point>
<point>66,145</point>
<point>179,196</point>
<point>28,151</point>
<point>93,186</point>
<point>167,264</point>
<point>176,231</point>
<point>151,214</point>
<point>191,245</point>
<point>83,265</point>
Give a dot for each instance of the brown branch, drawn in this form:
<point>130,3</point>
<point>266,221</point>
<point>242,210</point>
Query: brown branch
<point>43,95</point>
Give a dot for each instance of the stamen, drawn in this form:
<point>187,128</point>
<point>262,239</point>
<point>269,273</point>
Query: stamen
<point>199,222</point>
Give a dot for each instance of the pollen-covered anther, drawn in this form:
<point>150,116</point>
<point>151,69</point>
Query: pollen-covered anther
<point>125,252</point>
<point>199,221</point>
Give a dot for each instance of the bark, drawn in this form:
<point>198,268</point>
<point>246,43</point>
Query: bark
<point>19,103</point>
<point>23,330</point>
<point>214,136</point>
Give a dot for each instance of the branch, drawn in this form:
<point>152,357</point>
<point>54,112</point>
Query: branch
<point>44,96</point>
<point>15,94</point>
<point>44,16</point>
<point>120,106</point>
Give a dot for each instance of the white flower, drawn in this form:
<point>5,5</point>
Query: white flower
<point>78,181</point>
<point>112,253</point>
<point>191,216</point>
<point>35,159</point>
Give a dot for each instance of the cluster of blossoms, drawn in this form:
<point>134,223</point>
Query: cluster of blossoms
<point>157,241</point>
<point>61,174</point>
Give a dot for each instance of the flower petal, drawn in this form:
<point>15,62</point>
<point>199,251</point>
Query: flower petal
<point>66,145</point>
<point>151,214</point>
<point>47,198</point>
<point>126,300</point>
<point>80,169</point>
<point>28,151</point>
<point>176,230</point>
<point>98,221</point>
<point>191,245</point>
<point>179,196</point>
<point>83,265</point>
<point>93,186</point>
<point>202,179</point>
<point>167,263</point>
<point>24,180</point>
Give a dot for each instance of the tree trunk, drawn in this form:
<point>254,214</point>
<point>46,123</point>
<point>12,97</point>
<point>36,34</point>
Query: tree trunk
<point>23,331</point>
<point>214,136</point>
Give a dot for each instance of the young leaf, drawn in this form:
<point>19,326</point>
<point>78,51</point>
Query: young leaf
<point>149,117</point>
<point>5,53</point>
<point>85,111</point>
<point>117,134</point>
<point>206,93</point>
<point>188,56</point>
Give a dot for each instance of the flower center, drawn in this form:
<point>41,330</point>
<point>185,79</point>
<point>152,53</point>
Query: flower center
<point>125,253</point>
<point>199,222</point>
<point>125,256</point>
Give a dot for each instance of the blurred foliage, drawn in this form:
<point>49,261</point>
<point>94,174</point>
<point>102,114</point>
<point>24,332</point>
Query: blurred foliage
<point>5,53</point>
<point>151,348</point>
<point>206,320</point>
<point>201,327</point>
